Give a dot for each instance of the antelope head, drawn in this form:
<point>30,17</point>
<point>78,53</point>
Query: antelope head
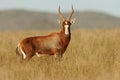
<point>66,23</point>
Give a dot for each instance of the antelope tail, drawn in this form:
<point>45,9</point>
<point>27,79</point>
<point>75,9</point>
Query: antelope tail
<point>17,51</point>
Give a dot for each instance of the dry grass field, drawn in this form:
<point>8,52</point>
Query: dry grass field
<point>93,54</point>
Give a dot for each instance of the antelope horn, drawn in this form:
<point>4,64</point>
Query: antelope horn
<point>70,15</point>
<point>60,14</point>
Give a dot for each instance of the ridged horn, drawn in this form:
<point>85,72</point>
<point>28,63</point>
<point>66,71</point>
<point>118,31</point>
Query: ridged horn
<point>70,15</point>
<point>60,14</point>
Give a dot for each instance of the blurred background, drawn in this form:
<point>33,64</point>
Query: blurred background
<point>42,14</point>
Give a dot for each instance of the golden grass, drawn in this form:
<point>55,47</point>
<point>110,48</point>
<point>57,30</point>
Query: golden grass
<point>91,55</point>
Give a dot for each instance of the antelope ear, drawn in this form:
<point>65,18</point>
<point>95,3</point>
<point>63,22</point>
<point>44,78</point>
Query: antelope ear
<point>73,21</point>
<point>58,21</point>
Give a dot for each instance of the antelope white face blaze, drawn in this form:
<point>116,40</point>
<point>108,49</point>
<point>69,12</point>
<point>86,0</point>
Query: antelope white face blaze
<point>66,29</point>
<point>66,23</point>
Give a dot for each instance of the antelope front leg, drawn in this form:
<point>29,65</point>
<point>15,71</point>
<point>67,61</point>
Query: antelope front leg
<point>58,56</point>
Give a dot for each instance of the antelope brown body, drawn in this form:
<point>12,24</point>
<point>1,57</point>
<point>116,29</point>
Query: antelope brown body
<point>52,44</point>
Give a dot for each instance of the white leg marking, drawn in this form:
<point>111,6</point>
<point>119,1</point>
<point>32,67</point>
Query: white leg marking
<point>38,54</point>
<point>24,55</point>
<point>66,29</point>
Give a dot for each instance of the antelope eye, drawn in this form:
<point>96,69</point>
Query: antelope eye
<point>69,23</point>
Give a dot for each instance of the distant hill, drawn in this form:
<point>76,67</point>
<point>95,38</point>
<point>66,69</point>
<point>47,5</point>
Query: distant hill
<point>96,20</point>
<point>22,19</point>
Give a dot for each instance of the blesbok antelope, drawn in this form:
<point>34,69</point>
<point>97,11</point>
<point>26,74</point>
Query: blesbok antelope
<point>52,44</point>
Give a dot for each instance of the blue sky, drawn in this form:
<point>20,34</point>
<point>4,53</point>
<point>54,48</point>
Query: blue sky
<point>108,6</point>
